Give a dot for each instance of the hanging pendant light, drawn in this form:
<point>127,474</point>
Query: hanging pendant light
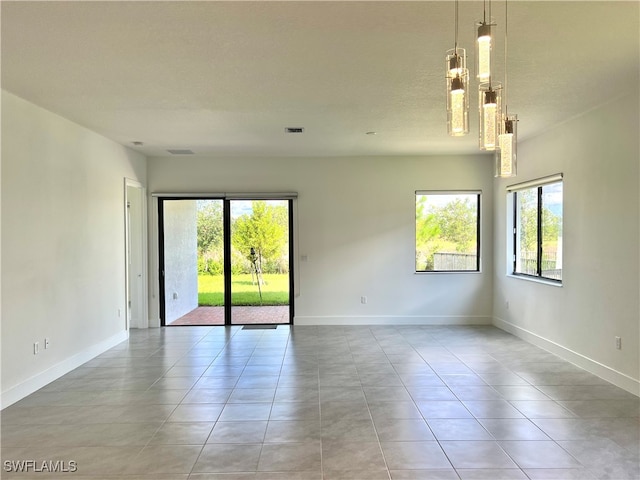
<point>506,165</point>
<point>484,42</point>
<point>506,155</point>
<point>457,87</point>
<point>489,109</point>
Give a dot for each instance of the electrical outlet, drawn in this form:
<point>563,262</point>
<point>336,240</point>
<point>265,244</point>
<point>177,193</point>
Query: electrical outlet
<point>506,305</point>
<point>619,343</point>
<point>46,343</point>
<point>36,348</point>
<point>363,300</point>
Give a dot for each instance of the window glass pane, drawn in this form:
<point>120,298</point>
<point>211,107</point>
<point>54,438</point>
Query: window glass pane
<point>447,232</point>
<point>527,231</point>
<point>552,231</point>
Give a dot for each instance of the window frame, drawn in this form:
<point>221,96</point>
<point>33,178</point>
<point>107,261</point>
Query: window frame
<point>513,191</point>
<point>478,194</point>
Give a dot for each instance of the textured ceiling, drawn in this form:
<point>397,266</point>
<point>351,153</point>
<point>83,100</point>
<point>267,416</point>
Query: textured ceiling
<point>226,78</point>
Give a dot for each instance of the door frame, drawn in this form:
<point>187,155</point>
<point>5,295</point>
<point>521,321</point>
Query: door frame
<point>226,218</point>
<point>141,198</point>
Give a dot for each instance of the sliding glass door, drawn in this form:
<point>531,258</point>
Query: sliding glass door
<point>225,261</point>
<point>260,274</point>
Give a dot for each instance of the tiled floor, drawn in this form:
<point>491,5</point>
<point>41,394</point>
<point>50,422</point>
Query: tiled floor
<point>240,315</point>
<point>364,403</point>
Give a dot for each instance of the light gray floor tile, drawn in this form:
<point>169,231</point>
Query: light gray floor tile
<point>196,412</point>
<point>207,395</point>
<point>492,474</point>
<point>295,411</point>
<point>565,428</point>
<point>458,429</point>
<point>299,457</point>
<point>539,454</point>
<point>287,431</point>
<point>443,409</point>
<point>542,409</point>
<point>402,430</point>
<point>421,394</point>
<point>492,409</point>
<point>156,459</point>
<point>384,410</point>
<point>245,412</point>
<point>520,392</point>
<point>559,474</point>
<point>348,430</point>
<point>297,394</point>
<point>238,432</point>
<point>475,392</point>
<point>386,394</point>
<point>440,474</point>
<point>414,455</point>
<point>251,395</point>
<point>341,456</point>
<point>220,458</point>
<point>513,429</point>
<point>182,434</point>
<point>477,455</point>
<point>356,475</point>
<point>599,452</point>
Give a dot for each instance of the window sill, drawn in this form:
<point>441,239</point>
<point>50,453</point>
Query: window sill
<point>535,280</point>
<point>431,272</point>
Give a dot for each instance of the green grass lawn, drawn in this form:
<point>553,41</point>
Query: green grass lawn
<point>243,292</point>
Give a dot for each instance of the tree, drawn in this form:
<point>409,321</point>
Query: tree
<point>458,224</point>
<point>444,225</point>
<point>260,233</point>
<point>210,236</point>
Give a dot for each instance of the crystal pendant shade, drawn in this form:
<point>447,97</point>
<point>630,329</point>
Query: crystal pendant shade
<point>489,109</point>
<point>457,92</point>
<point>483,51</point>
<point>506,155</point>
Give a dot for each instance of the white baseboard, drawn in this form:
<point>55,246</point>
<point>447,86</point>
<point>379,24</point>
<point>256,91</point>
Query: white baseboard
<point>392,320</point>
<point>18,392</point>
<point>619,379</point>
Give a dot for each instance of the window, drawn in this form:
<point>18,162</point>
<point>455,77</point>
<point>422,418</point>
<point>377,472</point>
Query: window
<point>537,232</point>
<point>447,231</point>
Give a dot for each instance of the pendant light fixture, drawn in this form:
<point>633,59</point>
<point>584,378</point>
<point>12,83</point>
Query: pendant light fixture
<point>457,87</point>
<point>489,109</point>
<point>484,42</point>
<point>506,154</point>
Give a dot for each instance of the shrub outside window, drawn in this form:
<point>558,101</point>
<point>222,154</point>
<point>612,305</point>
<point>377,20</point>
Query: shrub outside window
<point>537,233</point>
<point>447,231</point>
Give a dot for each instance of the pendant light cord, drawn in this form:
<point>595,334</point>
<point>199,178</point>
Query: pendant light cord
<point>506,23</point>
<point>456,29</point>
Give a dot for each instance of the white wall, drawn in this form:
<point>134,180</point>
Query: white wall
<point>63,244</point>
<point>181,258</point>
<point>598,154</point>
<point>355,224</point>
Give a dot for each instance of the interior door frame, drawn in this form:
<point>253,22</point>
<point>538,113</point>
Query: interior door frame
<point>226,218</point>
<point>141,220</point>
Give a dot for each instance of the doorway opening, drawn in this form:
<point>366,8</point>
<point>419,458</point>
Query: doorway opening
<point>225,261</point>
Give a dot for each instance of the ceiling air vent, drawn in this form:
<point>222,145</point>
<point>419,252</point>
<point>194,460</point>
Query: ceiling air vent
<point>294,129</point>
<point>179,151</point>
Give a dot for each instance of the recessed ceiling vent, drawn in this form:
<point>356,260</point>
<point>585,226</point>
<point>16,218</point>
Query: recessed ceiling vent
<point>294,129</point>
<point>179,151</point>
